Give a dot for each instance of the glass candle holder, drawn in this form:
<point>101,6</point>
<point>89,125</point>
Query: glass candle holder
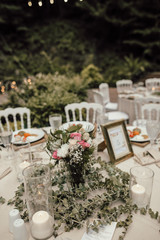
<point>38,192</point>
<point>141,182</point>
<point>23,159</point>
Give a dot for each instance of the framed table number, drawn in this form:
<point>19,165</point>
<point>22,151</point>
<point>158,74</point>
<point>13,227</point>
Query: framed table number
<point>117,141</point>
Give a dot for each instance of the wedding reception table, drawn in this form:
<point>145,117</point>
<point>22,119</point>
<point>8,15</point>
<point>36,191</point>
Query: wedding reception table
<point>142,228</point>
<point>126,103</point>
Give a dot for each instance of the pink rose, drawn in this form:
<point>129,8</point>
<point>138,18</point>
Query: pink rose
<point>84,144</point>
<point>55,155</point>
<point>76,136</point>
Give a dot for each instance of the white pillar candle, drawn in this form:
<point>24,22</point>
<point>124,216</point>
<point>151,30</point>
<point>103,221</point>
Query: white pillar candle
<point>41,225</point>
<point>138,193</point>
<point>20,169</point>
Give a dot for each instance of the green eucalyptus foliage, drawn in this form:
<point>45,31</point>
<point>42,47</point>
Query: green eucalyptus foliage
<point>82,206</point>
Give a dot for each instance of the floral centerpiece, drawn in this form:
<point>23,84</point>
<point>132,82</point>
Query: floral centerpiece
<point>74,147</point>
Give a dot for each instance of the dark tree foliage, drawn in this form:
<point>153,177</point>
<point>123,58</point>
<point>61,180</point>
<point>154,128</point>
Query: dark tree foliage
<point>133,25</point>
<point>69,36</point>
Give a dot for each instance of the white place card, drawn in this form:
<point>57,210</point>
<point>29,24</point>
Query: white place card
<point>105,233</point>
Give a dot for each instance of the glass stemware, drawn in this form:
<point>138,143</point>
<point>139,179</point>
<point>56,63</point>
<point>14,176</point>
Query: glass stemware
<point>6,138</point>
<point>153,129</point>
<point>55,121</point>
<point>101,119</point>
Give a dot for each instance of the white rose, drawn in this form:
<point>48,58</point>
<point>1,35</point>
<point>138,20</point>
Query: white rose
<point>86,136</point>
<point>72,142</point>
<point>63,151</point>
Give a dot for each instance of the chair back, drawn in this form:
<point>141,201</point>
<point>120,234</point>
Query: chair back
<point>139,102</point>
<point>83,111</point>
<point>140,113</point>
<point>152,83</point>
<point>123,85</point>
<point>104,89</point>
<point>151,111</point>
<point>14,115</point>
<point>98,97</point>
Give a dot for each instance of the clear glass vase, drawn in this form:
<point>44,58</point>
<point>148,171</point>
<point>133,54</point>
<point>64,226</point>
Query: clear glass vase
<point>38,193</point>
<point>76,174</point>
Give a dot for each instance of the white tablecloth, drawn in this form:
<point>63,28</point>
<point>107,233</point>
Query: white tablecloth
<point>142,228</point>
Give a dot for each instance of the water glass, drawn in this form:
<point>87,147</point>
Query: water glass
<point>101,119</point>
<point>6,138</point>
<point>38,192</point>
<point>141,182</point>
<point>153,129</point>
<point>55,121</point>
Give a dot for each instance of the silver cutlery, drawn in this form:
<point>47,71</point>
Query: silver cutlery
<point>5,173</point>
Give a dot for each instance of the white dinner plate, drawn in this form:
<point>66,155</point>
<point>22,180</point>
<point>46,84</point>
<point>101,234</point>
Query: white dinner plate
<point>135,95</point>
<point>88,127</point>
<point>39,134</point>
<point>139,138</point>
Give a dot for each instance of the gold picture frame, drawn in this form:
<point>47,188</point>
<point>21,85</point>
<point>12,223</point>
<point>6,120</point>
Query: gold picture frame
<point>117,141</point>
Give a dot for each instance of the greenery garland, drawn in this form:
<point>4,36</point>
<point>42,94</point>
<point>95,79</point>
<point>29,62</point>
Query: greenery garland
<point>78,207</point>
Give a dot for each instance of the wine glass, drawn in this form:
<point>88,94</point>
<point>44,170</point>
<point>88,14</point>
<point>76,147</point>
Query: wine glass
<point>6,138</point>
<point>55,121</point>
<point>153,128</point>
<point>101,119</point>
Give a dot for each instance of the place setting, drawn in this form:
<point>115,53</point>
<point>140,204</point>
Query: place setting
<point>33,135</point>
<point>147,135</point>
<point>138,135</point>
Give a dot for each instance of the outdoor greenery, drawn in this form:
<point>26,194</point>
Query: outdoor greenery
<point>47,94</point>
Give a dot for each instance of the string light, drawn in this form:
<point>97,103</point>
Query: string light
<point>13,85</point>
<point>29,81</point>
<point>29,3</point>
<point>40,3</point>
<point>3,89</point>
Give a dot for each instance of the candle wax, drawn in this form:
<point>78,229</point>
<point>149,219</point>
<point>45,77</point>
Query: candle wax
<point>138,193</point>
<point>41,225</point>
